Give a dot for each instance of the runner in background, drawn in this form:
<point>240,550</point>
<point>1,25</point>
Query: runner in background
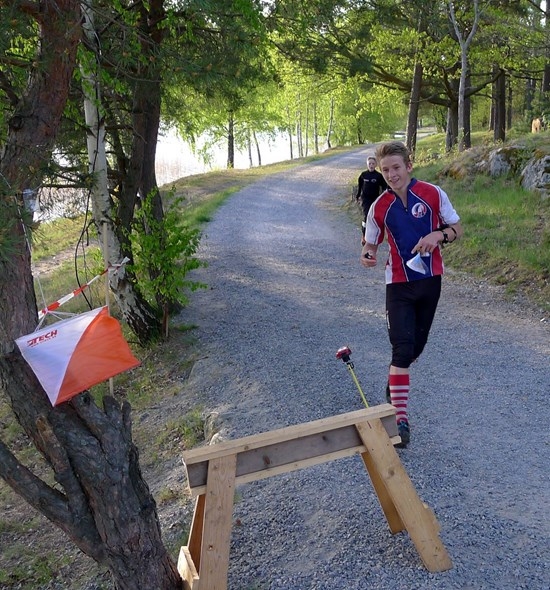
<point>371,185</point>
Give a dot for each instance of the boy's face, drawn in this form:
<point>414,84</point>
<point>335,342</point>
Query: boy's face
<point>396,172</point>
<point>371,164</point>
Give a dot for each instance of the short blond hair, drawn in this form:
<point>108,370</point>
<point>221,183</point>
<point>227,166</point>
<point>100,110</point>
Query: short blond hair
<point>394,148</point>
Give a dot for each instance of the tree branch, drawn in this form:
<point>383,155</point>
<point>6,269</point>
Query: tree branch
<point>52,503</point>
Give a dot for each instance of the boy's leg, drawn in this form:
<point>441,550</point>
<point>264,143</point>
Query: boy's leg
<point>400,315</point>
<point>399,385</point>
<point>429,291</point>
<point>410,309</point>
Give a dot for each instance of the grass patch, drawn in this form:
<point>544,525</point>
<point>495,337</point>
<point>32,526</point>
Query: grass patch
<point>53,237</point>
<point>202,212</point>
<point>7,526</point>
<point>28,568</point>
<point>182,433</point>
<point>167,495</point>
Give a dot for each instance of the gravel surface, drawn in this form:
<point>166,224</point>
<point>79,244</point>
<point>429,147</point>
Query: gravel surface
<point>286,290</point>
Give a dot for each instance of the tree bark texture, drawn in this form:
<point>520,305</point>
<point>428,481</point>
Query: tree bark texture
<point>230,141</point>
<point>467,115</point>
<point>414,106</point>
<point>499,105</point>
<point>451,136</point>
<point>101,500</point>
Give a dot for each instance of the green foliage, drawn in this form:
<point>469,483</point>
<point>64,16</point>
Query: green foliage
<point>11,217</point>
<point>164,253</point>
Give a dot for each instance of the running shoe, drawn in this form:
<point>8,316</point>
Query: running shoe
<point>404,432</point>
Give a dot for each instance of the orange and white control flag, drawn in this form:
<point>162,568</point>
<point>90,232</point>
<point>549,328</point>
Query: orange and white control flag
<point>72,355</point>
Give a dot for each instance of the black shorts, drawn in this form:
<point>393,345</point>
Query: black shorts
<point>410,310</point>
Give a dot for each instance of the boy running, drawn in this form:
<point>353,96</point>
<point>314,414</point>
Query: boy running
<point>416,217</point>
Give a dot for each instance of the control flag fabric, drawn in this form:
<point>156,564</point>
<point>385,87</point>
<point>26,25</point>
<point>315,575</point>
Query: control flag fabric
<point>72,355</point>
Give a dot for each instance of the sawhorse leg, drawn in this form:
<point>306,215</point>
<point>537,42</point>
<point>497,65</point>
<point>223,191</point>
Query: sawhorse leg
<point>388,507</point>
<point>400,502</point>
<point>210,535</point>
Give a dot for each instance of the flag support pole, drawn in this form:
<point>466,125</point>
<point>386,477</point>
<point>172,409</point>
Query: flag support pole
<point>107,295</point>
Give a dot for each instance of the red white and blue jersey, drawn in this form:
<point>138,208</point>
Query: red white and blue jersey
<point>428,207</point>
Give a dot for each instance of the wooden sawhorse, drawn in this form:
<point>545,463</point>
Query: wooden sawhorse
<point>214,471</point>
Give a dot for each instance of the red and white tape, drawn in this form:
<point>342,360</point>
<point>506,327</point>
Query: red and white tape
<point>57,304</point>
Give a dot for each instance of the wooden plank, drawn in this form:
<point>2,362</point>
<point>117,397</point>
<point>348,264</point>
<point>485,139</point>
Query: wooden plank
<point>290,432</point>
<point>388,507</point>
<point>286,451</point>
<point>418,520</point>
<point>284,469</point>
<point>187,570</point>
<point>214,561</point>
<point>195,533</point>
<point>292,466</point>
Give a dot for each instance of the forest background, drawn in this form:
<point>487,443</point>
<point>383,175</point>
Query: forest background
<point>85,89</point>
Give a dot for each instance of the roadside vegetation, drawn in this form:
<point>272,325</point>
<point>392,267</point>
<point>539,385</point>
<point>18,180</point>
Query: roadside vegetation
<point>507,228</point>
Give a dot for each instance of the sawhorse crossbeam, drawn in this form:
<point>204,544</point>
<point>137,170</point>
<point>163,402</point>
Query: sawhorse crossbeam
<point>214,471</point>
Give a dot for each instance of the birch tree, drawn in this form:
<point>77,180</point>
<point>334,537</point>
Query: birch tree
<point>465,38</point>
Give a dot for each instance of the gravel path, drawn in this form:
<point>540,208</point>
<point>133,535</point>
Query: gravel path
<point>286,291</point>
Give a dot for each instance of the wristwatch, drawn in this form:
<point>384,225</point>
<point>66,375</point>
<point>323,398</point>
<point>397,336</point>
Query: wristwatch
<point>445,236</point>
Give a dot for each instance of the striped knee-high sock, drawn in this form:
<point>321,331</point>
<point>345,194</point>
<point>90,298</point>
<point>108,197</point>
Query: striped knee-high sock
<point>399,394</point>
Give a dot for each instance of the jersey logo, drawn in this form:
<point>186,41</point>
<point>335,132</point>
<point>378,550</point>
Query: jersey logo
<point>419,210</point>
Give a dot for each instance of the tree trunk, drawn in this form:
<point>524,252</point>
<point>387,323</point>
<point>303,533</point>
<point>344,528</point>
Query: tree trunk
<point>530,88</point>
<point>315,128</point>
<point>306,150</point>
<point>139,180</point>
<point>95,461</point>
<point>467,116</point>
<point>546,73</point>
<point>464,74</point>
<point>289,129</point>
<point>509,108</point>
<point>452,126</point>
<point>101,500</point>
<point>299,136</point>
<point>231,142</point>
<point>256,143</point>
<point>499,101</point>
<point>330,121</point>
<point>414,106</point>
<point>249,148</point>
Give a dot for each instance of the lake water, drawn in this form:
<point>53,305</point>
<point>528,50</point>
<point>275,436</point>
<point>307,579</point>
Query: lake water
<point>175,158</point>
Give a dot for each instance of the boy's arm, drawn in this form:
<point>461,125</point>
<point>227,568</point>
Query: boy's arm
<point>456,231</point>
<point>446,235</point>
<point>359,187</point>
<point>368,255</point>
